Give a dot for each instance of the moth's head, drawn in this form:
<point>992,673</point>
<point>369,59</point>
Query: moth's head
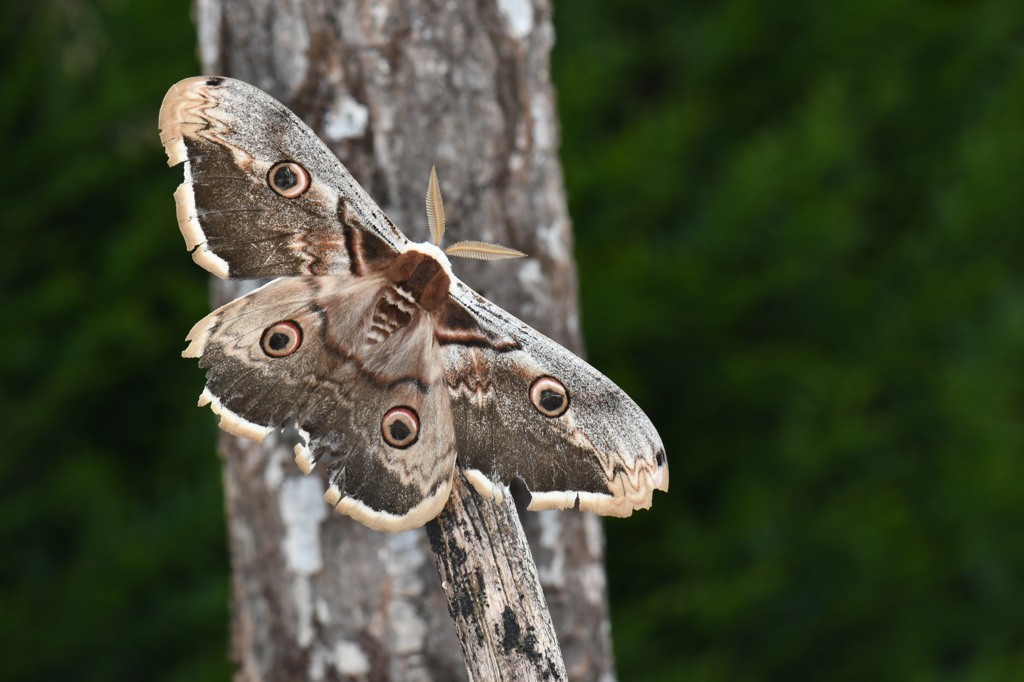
<point>432,251</point>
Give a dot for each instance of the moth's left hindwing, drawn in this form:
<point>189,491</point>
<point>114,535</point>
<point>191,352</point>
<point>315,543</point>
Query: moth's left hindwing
<point>392,370</point>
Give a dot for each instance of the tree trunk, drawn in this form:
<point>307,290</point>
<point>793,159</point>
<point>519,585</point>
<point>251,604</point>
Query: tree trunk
<point>394,88</point>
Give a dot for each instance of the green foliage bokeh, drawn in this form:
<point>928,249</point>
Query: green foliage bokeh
<point>114,560</point>
<point>799,232</point>
<point>798,227</point>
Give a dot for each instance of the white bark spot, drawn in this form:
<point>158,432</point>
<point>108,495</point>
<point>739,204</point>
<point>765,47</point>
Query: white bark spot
<point>518,15</point>
<point>543,127</point>
<point>572,323</point>
<point>379,15</point>
<point>552,239</point>
<point>302,510</point>
<point>592,579</point>
<point>530,275</point>
<point>592,528</point>
<point>403,558</point>
<point>532,279</point>
<point>349,659</point>
<point>550,538</point>
<point>302,597</point>
<point>346,119</point>
<point>408,629</point>
<point>323,611</point>
<point>317,667</point>
<point>208,16</point>
<point>291,43</point>
<point>273,471</point>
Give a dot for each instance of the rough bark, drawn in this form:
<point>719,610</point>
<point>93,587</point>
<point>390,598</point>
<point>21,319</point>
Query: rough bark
<point>494,593</point>
<point>394,88</point>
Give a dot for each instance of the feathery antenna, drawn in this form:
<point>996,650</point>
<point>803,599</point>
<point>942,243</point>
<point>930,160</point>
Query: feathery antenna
<point>482,251</point>
<point>435,208</point>
<point>465,249</point>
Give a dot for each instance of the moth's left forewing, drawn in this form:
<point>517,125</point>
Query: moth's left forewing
<point>235,215</point>
<point>601,454</point>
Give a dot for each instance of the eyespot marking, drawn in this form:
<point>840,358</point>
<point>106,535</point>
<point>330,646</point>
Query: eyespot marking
<point>281,339</point>
<point>549,396</point>
<point>288,179</point>
<point>400,427</point>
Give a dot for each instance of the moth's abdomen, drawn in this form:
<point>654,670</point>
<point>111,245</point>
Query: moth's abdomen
<point>395,309</point>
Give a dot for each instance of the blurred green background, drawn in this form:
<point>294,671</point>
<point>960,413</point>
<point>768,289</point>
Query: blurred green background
<point>799,235</point>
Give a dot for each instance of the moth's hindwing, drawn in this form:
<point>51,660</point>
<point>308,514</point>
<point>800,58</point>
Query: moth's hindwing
<point>370,406</point>
<point>525,407</point>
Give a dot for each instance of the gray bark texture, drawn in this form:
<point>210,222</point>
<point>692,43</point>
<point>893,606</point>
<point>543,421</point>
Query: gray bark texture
<point>394,88</point>
<point>494,593</point>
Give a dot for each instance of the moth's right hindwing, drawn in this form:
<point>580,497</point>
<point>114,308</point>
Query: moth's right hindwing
<point>525,407</point>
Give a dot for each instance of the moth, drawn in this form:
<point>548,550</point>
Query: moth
<point>392,370</point>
